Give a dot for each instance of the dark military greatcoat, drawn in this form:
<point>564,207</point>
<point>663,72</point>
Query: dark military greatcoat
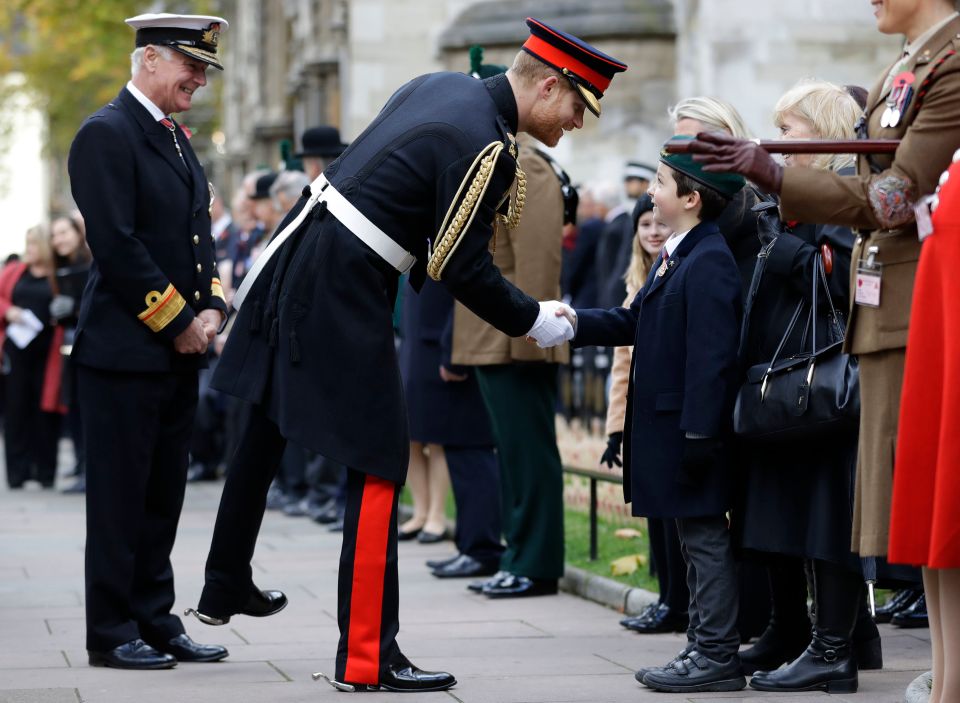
<point>313,341</point>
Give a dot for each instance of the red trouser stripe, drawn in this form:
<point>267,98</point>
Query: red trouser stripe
<point>369,565</point>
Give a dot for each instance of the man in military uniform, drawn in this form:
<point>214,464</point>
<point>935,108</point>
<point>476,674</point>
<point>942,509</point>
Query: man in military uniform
<point>312,348</point>
<point>152,305</point>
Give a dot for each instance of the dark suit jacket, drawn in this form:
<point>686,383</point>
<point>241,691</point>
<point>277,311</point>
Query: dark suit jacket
<point>148,226</point>
<point>684,327</point>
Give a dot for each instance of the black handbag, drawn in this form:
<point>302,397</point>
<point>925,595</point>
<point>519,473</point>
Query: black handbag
<point>808,394</point>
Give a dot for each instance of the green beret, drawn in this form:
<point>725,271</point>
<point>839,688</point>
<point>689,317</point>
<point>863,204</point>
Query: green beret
<point>480,70</point>
<point>727,184</point>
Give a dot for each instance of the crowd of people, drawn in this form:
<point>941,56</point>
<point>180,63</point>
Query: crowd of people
<point>685,291</point>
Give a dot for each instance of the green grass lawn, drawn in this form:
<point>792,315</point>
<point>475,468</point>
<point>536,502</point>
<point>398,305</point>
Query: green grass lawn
<point>577,532</point>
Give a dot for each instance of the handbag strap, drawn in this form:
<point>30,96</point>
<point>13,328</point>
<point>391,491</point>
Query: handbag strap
<point>758,270</point>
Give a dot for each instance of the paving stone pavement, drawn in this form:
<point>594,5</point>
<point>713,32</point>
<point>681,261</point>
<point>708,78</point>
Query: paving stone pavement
<point>550,649</point>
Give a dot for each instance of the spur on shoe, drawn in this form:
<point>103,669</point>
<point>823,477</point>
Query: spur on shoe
<point>663,619</point>
<point>400,676</point>
<point>696,673</point>
<point>185,649</point>
<point>827,664</point>
<point>514,586</point>
<point>465,566</point>
<point>260,604</point>
<point>135,654</point>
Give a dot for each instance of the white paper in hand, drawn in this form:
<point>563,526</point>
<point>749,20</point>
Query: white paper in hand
<point>24,330</point>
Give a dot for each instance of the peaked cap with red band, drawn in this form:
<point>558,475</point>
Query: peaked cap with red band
<point>588,69</point>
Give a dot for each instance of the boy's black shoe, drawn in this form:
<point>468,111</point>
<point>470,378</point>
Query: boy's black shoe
<point>680,655</point>
<point>696,673</point>
<point>663,619</point>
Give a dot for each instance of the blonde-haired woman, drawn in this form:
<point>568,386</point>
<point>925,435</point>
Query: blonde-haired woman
<point>797,497</point>
<point>32,418</point>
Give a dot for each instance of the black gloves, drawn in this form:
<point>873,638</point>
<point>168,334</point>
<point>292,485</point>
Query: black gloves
<point>699,457</point>
<point>769,226</point>
<point>720,152</point>
<point>611,455</point>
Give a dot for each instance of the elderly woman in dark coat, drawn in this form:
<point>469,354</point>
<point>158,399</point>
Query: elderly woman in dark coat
<point>797,495</point>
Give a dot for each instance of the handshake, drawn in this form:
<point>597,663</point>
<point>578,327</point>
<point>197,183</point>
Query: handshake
<point>556,324</point>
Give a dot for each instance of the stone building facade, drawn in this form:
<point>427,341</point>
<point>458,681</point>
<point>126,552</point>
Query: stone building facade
<point>292,64</point>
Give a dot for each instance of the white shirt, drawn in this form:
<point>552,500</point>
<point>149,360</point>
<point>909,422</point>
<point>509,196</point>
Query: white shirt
<point>671,244</point>
<point>154,111</point>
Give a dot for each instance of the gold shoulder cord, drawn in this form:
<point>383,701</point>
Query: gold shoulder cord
<point>452,229</point>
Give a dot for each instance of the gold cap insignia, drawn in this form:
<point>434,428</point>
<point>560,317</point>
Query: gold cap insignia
<point>212,34</point>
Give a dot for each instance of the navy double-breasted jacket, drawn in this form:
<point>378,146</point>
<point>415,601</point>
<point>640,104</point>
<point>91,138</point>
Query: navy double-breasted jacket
<point>148,225</point>
<point>313,341</point>
<point>684,327</point>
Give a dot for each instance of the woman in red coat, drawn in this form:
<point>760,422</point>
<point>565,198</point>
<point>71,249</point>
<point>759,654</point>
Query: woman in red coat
<point>924,529</point>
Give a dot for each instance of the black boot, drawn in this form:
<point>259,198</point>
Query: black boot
<point>788,632</point>
<point>829,662</point>
<point>827,665</point>
<point>866,641</point>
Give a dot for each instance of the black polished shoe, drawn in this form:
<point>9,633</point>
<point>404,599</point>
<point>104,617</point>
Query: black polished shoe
<point>774,648</point>
<point>520,587</point>
<point>696,673</point>
<point>400,676</point>
<point>827,664</point>
<point>663,619</point>
<point>645,613</point>
<point>186,650</point>
<point>425,537</point>
<point>437,563</point>
<point>914,616</point>
<point>478,586</point>
<point>135,654</point>
<point>465,566</point>
<point>901,600</point>
<point>869,654</point>
<point>260,604</point>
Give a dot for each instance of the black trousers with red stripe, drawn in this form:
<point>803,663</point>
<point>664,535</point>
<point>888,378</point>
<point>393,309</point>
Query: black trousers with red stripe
<point>368,598</point>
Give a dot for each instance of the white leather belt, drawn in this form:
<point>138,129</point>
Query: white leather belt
<point>349,216</point>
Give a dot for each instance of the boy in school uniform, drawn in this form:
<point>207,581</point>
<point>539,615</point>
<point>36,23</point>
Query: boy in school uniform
<point>684,325</point>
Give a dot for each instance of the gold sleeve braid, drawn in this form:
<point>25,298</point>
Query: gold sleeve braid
<point>472,190</point>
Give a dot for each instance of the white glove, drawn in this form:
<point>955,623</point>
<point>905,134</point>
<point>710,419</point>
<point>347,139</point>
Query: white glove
<point>551,329</point>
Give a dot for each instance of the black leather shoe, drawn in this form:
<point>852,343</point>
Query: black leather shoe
<point>520,587</point>
<point>663,619</point>
<point>901,600</point>
<point>135,654</point>
<point>645,613</point>
<point>400,676</point>
<point>186,650</point>
<point>465,566</point>
<point>914,616</point>
<point>406,536</point>
<point>478,586</point>
<point>425,537</point>
<point>640,673</point>
<point>869,654</point>
<point>437,563</point>
<point>827,664</point>
<point>259,605</point>
<point>696,673</point>
<point>774,648</point>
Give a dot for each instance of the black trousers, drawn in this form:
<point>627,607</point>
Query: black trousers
<point>712,581</point>
<point>668,558</point>
<point>368,599</point>
<point>475,477</point>
<point>137,429</point>
<point>30,435</point>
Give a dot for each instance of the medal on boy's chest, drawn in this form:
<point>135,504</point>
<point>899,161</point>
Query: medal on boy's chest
<point>901,93</point>
<point>666,266</point>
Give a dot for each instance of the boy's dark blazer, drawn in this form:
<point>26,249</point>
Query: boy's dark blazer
<point>684,326</point>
